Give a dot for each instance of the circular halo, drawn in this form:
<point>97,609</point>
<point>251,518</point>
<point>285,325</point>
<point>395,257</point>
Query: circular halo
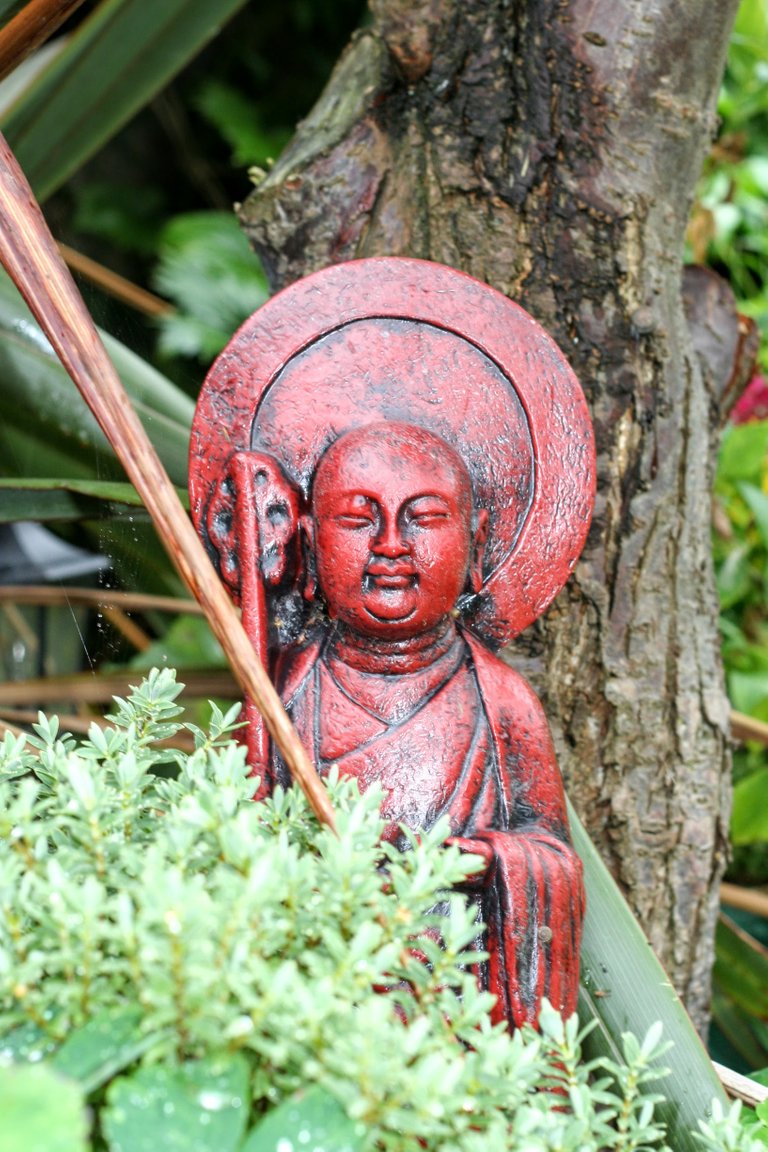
<point>401,339</point>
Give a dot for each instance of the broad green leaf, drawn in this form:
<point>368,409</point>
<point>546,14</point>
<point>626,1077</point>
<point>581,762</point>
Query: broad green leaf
<point>751,28</point>
<point>25,1042</point>
<point>623,986</point>
<point>743,452</point>
<point>121,56</point>
<point>26,70</point>
<point>312,1119</point>
<point>749,814</point>
<point>41,1112</point>
<point>107,1044</point>
<point>238,119</point>
<point>747,689</point>
<point>187,642</point>
<point>50,501</point>
<point>199,1106</point>
<point>758,1129</point>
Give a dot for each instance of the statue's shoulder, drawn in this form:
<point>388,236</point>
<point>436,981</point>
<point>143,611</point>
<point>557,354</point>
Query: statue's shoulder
<point>507,696</point>
<point>520,732</point>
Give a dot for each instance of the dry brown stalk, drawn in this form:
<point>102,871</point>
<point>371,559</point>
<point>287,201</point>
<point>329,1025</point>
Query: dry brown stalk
<point>747,728</point>
<point>99,598</point>
<point>753,900</point>
<point>30,28</point>
<point>99,688</point>
<point>114,284</point>
<point>80,726</point>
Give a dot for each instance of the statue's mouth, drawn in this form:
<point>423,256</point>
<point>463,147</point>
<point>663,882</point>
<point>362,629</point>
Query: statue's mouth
<point>397,575</point>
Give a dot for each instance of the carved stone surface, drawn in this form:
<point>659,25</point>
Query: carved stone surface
<point>392,466</point>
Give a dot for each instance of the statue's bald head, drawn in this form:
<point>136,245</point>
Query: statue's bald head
<point>393,529</point>
<point>394,440</point>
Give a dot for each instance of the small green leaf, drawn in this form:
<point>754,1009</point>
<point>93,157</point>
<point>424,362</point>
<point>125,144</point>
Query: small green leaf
<point>313,1120</point>
<point>41,1112</point>
<point>200,1106</point>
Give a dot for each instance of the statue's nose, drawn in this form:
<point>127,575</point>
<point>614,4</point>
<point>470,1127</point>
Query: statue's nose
<point>389,539</point>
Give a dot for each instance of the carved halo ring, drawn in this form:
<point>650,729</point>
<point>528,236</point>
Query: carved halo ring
<point>400,339</point>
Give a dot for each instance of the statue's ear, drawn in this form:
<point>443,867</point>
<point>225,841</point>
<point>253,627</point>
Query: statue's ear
<point>479,538</point>
<point>307,530</point>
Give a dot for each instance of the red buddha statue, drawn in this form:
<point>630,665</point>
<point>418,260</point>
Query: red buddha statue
<point>405,524</point>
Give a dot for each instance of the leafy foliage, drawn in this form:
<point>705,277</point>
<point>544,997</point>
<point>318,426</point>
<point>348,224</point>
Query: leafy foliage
<point>729,225</point>
<point>740,543</point>
<point>240,121</point>
<point>212,972</point>
<point>207,268</point>
<point>729,230</point>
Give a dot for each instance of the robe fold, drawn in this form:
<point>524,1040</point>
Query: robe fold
<point>476,747</point>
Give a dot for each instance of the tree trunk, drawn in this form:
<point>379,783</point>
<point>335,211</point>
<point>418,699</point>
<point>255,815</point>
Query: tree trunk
<point>550,147</point>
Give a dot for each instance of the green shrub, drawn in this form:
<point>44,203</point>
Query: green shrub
<point>200,969</point>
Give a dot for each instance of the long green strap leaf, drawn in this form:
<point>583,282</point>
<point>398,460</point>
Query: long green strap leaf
<point>45,429</point>
<point>40,499</point>
<point>121,57</point>
<point>625,989</point>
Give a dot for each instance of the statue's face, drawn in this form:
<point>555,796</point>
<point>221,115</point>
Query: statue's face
<point>392,516</point>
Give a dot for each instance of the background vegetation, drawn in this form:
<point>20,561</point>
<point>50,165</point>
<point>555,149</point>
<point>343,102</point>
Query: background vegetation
<point>729,230</point>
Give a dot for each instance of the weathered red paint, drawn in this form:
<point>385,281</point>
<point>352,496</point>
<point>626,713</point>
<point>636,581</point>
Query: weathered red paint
<point>393,467</point>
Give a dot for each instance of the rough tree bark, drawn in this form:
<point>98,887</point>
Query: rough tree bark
<point>550,147</point>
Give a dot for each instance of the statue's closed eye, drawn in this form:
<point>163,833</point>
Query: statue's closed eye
<point>360,519</point>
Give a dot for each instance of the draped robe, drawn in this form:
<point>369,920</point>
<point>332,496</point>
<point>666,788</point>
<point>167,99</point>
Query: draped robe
<point>474,745</point>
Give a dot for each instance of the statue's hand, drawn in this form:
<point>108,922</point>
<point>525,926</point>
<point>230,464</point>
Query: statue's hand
<point>276,504</point>
<point>220,523</point>
<point>254,505</point>
<point>474,846</point>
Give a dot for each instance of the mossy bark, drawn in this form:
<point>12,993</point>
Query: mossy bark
<point>550,147</point>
